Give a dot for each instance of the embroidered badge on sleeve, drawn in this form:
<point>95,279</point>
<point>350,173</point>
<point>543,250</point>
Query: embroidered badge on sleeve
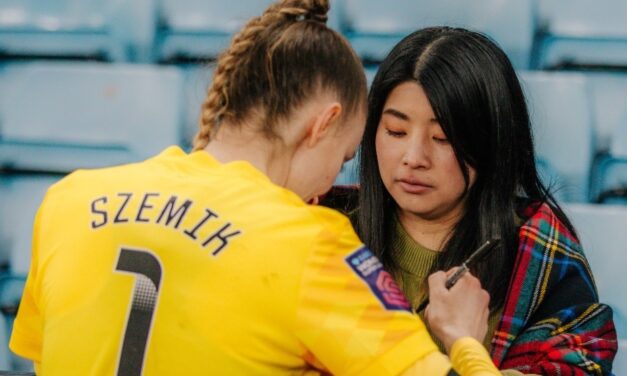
<point>368,267</point>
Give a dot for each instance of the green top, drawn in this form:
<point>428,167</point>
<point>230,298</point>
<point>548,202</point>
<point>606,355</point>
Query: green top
<point>414,262</point>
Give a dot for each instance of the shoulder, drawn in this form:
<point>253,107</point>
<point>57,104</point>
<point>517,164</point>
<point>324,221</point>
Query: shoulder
<point>333,226</point>
<point>543,226</point>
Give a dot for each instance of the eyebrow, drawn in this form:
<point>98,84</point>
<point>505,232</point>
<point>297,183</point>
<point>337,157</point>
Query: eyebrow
<point>396,113</point>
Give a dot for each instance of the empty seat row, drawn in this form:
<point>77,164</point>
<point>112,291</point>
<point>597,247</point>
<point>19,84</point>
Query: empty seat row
<point>56,117</point>
<point>61,116</point>
<point>540,33</point>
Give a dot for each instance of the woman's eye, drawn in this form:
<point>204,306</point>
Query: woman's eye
<point>441,140</point>
<point>395,133</point>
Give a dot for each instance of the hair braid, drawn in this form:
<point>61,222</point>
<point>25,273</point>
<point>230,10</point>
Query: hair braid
<point>216,103</point>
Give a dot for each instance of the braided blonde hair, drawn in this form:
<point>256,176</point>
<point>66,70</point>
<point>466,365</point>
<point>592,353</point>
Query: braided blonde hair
<point>253,70</point>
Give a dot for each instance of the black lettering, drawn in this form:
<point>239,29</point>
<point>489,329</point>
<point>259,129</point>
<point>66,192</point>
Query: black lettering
<point>103,213</point>
<point>192,233</point>
<point>117,218</point>
<point>144,205</point>
<point>222,238</point>
<point>169,208</point>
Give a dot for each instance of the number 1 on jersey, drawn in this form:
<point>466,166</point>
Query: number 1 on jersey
<point>147,270</point>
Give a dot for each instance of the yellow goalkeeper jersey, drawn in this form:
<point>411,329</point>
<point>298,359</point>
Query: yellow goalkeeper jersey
<point>181,265</point>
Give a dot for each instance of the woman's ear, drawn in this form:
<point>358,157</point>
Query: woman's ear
<point>324,122</point>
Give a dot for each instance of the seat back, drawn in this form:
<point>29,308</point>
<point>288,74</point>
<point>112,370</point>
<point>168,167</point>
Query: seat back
<point>510,23</point>
<point>63,116</point>
<point>118,30</point>
<point>560,110</point>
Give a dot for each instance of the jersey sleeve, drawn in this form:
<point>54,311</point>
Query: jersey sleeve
<point>26,337</point>
<point>352,316</point>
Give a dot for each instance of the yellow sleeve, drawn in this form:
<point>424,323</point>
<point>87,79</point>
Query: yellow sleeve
<point>469,357</point>
<point>351,316</point>
<point>26,337</point>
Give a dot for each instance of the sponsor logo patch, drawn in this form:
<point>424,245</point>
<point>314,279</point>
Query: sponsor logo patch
<point>368,267</point>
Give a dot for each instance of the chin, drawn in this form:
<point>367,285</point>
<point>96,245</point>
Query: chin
<point>423,209</point>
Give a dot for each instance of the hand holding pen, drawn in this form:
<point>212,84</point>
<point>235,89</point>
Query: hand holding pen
<point>463,269</point>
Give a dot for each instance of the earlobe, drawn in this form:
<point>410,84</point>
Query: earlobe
<point>324,123</point>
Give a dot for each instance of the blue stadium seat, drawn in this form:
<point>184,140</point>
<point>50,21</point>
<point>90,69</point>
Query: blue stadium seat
<point>349,174</point>
<point>374,26</point>
<point>609,91</point>
<point>11,289</point>
<point>5,357</point>
<point>109,30</point>
<point>560,109</point>
<point>601,229</point>
<point>609,95</point>
<point>62,116</point>
<point>197,81</point>
<point>610,174</point>
<point>196,29</point>
<point>581,33</point>
<point>20,196</point>
<point>201,28</point>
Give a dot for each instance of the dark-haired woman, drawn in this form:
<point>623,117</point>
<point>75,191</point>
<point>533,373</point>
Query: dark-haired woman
<point>447,162</point>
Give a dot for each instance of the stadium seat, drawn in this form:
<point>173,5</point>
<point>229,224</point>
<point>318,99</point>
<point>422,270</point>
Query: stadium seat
<point>601,229</point>
<point>610,173</point>
<point>561,117</point>
<point>580,33</point>
<point>349,174</point>
<point>374,26</point>
<point>197,81</point>
<point>201,29</point>
<point>193,29</point>
<point>119,30</point>
<point>609,96</point>
<point>20,196</point>
<point>4,348</point>
<point>58,117</point>
<point>11,289</point>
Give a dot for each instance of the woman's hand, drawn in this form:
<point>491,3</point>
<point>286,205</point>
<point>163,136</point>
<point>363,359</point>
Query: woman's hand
<point>459,312</point>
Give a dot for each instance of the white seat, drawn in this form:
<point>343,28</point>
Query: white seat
<point>118,30</point>
<point>20,196</point>
<point>197,82</point>
<point>560,110</point>
<point>195,29</point>
<point>575,32</point>
<point>374,26</point>
<point>601,229</point>
<point>63,116</point>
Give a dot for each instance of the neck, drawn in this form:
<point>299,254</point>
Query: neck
<point>240,143</point>
<point>429,233</point>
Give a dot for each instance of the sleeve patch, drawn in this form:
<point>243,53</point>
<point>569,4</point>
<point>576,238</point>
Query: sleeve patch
<point>368,267</point>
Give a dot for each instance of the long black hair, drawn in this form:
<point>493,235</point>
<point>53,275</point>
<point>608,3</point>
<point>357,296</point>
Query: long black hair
<point>478,101</point>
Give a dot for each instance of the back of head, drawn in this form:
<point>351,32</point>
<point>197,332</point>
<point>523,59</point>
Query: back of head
<point>275,63</point>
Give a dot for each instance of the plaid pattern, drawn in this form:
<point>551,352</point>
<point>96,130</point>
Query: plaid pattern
<point>552,323</point>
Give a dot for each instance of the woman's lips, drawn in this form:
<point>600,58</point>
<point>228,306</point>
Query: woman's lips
<point>414,186</point>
